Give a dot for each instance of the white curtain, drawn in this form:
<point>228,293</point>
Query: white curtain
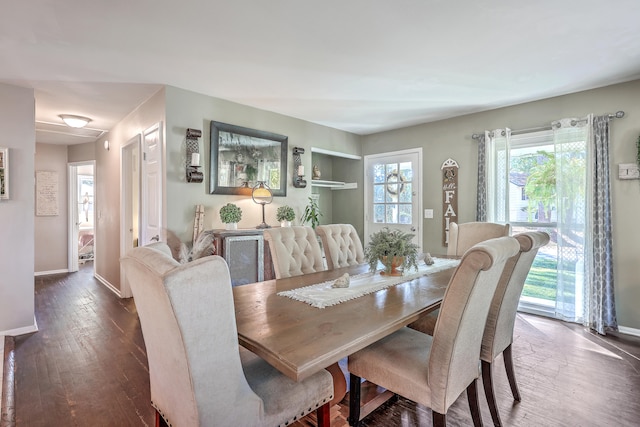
<point>497,170</point>
<point>572,158</point>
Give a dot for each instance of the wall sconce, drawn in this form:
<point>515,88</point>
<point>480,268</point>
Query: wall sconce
<point>261,194</point>
<point>193,156</point>
<point>298,169</point>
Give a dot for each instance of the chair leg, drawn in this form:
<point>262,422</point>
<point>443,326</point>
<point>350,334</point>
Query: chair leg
<point>439,420</point>
<point>354,400</point>
<point>323,414</point>
<point>511,375</point>
<point>487,382</point>
<point>474,405</point>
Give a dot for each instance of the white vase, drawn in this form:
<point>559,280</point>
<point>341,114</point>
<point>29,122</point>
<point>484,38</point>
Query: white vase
<point>285,223</point>
<point>232,226</point>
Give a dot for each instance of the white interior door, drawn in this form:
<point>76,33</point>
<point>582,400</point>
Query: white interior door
<point>152,190</point>
<point>392,192</point>
<point>130,204</point>
<point>81,213</point>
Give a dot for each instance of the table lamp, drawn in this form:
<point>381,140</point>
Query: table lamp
<point>262,195</point>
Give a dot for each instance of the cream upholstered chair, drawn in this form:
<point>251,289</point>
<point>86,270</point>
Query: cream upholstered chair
<point>342,245</point>
<point>498,332</point>
<point>294,251</point>
<point>196,373</point>
<point>461,238</point>
<point>434,371</point>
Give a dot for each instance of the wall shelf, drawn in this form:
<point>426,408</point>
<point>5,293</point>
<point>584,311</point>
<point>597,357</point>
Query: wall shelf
<point>335,153</point>
<point>334,185</point>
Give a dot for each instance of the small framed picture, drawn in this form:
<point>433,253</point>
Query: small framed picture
<point>4,173</point>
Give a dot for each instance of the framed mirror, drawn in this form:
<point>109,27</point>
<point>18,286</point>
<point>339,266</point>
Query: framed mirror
<point>240,157</point>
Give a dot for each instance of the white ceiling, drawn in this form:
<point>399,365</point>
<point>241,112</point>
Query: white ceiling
<point>362,66</point>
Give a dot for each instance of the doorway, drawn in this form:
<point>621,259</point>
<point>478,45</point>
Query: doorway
<point>130,204</point>
<point>82,236</point>
<point>392,192</point>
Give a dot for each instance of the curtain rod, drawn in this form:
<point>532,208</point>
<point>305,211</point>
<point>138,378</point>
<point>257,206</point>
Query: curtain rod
<point>616,115</point>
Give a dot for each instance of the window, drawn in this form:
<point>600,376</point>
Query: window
<point>537,181</point>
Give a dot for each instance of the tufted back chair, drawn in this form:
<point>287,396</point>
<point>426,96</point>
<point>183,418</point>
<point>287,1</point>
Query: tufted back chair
<point>294,251</point>
<point>197,375</point>
<point>342,245</point>
<point>434,371</point>
<point>463,236</point>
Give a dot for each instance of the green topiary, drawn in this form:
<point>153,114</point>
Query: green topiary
<point>230,213</point>
<point>285,213</point>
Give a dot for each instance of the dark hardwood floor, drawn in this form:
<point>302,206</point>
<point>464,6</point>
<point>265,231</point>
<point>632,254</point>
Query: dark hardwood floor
<point>87,367</point>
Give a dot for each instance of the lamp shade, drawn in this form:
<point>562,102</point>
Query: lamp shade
<point>261,193</point>
<point>75,121</point>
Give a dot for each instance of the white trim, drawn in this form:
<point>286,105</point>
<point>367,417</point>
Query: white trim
<point>108,285</point>
<point>629,331</point>
<point>45,273</point>
<point>21,331</point>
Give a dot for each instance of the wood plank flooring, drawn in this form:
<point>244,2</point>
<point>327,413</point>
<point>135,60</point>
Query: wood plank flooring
<point>87,367</point>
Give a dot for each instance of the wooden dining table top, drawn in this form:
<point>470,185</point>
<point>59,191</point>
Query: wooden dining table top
<point>300,340</point>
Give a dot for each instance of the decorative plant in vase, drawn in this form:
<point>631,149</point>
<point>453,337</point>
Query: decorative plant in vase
<point>231,215</point>
<point>312,213</point>
<point>285,214</point>
<point>394,249</point>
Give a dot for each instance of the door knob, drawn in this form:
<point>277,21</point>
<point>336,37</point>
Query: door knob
<point>155,238</point>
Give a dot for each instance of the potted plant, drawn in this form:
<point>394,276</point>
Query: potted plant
<point>230,214</point>
<point>285,214</point>
<point>394,249</point>
<point>312,213</point>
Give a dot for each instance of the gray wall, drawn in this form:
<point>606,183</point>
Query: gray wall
<point>452,138</point>
<point>191,110</point>
<point>17,122</point>
<point>52,231</point>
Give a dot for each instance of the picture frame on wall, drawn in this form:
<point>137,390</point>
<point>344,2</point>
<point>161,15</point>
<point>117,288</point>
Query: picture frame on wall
<point>243,157</point>
<point>4,173</point>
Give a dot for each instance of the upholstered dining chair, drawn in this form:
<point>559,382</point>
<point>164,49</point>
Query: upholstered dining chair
<point>342,245</point>
<point>197,375</point>
<point>462,237</point>
<point>465,235</point>
<point>498,331</point>
<point>294,251</point>
<point>435,370</point>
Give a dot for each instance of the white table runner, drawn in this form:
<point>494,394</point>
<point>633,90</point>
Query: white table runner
<point>323,295</point>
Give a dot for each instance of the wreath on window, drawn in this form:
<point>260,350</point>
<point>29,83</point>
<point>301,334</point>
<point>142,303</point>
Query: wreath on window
<point>395,183</point>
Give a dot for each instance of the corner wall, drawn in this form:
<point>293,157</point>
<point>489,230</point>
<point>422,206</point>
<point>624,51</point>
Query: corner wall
<point>191,110</point>
<point>17,122</point>
<point>452,138</point>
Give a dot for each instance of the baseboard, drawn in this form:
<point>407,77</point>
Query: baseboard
<point>629,331</point>
<point>21,331</point>
<point>44,273</point>
<point>107,284</point>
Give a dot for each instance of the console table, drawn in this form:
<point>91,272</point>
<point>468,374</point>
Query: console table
<point>246,253</point>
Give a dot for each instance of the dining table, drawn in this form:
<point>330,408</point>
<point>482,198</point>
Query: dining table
<point>299,339</point>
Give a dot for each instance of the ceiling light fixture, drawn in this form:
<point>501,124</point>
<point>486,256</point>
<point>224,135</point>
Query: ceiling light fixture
<point>75,121</point>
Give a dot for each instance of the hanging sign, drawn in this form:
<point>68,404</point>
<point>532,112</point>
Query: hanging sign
<point>449,196</point>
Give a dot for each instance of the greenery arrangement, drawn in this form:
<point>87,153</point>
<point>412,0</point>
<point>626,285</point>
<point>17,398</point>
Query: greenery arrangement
<point>230,213</point>
<point>285,213</point>
<point>386,244</point>
<point>312,214</point>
